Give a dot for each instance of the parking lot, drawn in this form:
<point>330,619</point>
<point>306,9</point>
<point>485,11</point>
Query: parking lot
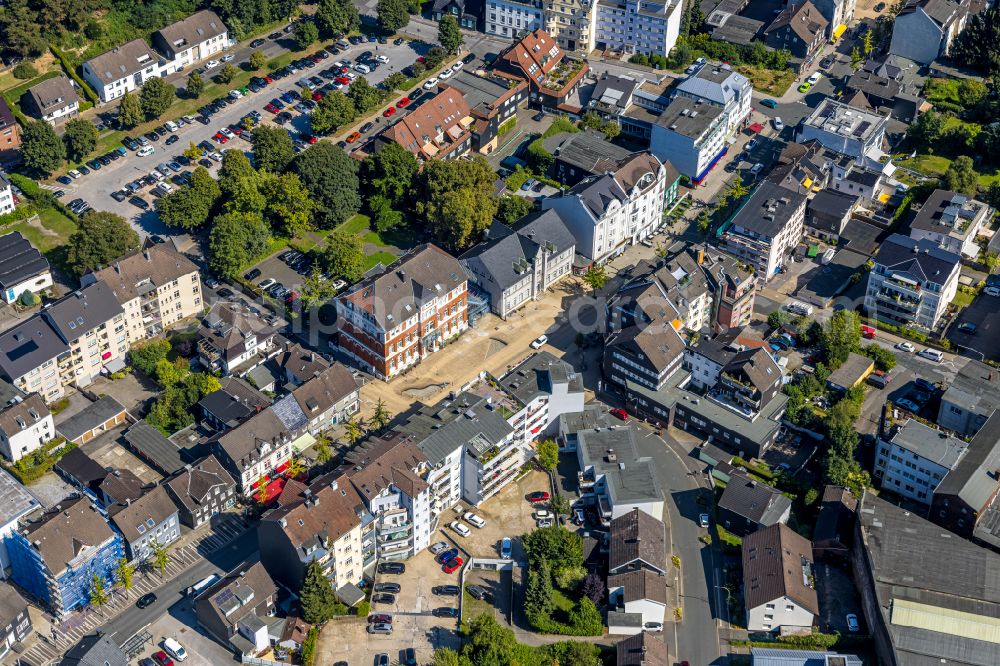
<point>984,314</point>
<point>96,187</point>
<point>507,514</point>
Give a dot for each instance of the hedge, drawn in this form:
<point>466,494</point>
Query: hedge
<point>67,65</point>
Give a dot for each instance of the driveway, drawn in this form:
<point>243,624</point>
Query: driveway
<point>984,313</point>
<point>507,514</point>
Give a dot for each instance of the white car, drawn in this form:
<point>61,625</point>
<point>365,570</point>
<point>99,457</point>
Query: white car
<point>445,74</point>
<point>539,341</point>
<point>217,156</point>
<point>460,528</point>
<point>382,59</point>
<point>145,151</point>
<point>542,514</point>
<point>235,94</point>
<point>905,346</point>
<point>74,174</point>
<point>339,284</point>
<point>931,354</point>
<point>174,649</point>
<point>364,69</point>
<point>457,67</point>
<point>779,124</point>
<point>430,83</point>
<point>473,519</point>
<point>653,626</point>
<point>266,283</point>
<point>211,64</point>
<point>229,57</point>
<point>438,547</point>
<point>814,78</point>
<point>228,133</point>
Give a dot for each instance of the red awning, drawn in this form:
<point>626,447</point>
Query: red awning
<point>756,128</point>
<point>281,468</point>
<point>534,431</point>
<point>105,356</point>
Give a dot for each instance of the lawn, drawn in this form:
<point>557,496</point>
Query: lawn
<point>60,226</point>
<point>768,81</point>
<point>962,299</point>
<point>936,165</point>
<point>359,226</point>
<point>562,602</point>
<point>473,608</point>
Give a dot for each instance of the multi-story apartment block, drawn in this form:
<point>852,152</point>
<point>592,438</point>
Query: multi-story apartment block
<point>970,399</point>
<point>392,320</point>
<point>912,459</point>
<point>55,558</point>
<point>493,105</point>
<point>647,355</point>
<point>512,18</point>
<point>912,282</point>
<point>157,287</point>
<point>233,340</point>
<point>952,221</point>
<point>547,387</point>
<point>146,522</point>
<point>843,128</point>
<point>675,290</point>
<point>572,24</point>
<point>513,268</point>
<point>707,108</point>
<point>197,37</point>
<point>638,26</point>
<point>6,195</point>
<point>388,474</point>
<point>201,491</point>
<point>800,29</point>
<point>552,76</point>
<point>733,285</point>
<point>766,229</point>
<point>323,522</point>
<point>925,29</point>
<point>28,354</point>
<point>838,14</point>
<point>18,503</point>
<point>25,425</point>
<point>605,213</point>
<point>440,128</point>
<point>706,359</point>
<point>254,450</point>
<point>15,623</point>
<point>53,100</point>
<point>123,69</point>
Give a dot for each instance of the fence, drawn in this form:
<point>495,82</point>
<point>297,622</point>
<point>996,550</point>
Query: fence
<point>254,661</point>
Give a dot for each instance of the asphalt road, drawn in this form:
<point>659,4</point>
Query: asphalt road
<point>133,620</point>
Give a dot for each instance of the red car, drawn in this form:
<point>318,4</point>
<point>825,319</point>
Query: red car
<point>538,496</point>
<point>162,659</point>
<point>343,80</point>
<point>269,79</point>
<point>619,413</point>
<point>308,138</point>
<point>353,137</point>
<point>403,102</point>
<point>317,96</point>
<point>271,108</point>
<point>291,297</point>
<point>421,59</point>
<point>388,112</point>
<point>344,70</point>
<point>452,565</point>
<point>220,137</point>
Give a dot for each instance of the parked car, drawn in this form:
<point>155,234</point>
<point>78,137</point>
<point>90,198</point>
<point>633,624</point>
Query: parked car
<point>252,274</point>
<point>967,327</point>
<point>538,496</point>
<point>174,649</point>
<point>539,341</point>
<point>473,519</point>
<point>703,520</point>
<point>769,103</point>
<point>452,566</point>
<point>394,588</point>
<point>380,618</point>
<point>908,405</point>
<point>162,659</point>
<point>446,590</point>
<point>392,568</point>
<point>479,593</point>
<point>445,611</point>
<point>506,550</point>
<point>438,547</point>
<point>384,598</point>
<point>852,622</point>
<point>619,413</point>
<point>145,601</point>
<point>460,528</point>
<point>931,355</point>
<point>906,346</point>
<point>380,628</point>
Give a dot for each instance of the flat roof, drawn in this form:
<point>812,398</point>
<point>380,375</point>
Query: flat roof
<point>930,443</point>
<point>844,120</point>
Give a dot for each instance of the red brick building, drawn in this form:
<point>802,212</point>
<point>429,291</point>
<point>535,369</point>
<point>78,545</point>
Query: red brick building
<point>391,321</point>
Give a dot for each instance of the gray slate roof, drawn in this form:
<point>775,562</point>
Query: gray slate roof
<point>52,94</point>
<point>191,488</point>
<point>82,311</point>
<point>974,478</point>
<point>152,446</point>
<point>15,500</point>
<point>28,345</point>
<point>123,61</point>
<point>537,374</point>
<point>751,499</point>
<point>466,420</point>
<point>934,445</point>
<point>193,30</point>
<point>12,604</point>
<point>19,260</point>
<point>922,259</point>
<point>95,650</point>
<point>90,417</point>
<point>588,151</point>
<point>777,563</point>
<point>141,516</point>
<point>768,209</point>
<point>637,539</point>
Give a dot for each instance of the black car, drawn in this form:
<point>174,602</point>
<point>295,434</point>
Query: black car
<point>161,130</point>
<point>366,127</point>
<point>105,160</point>
<point>539,117</point>
<point>139,202</point>
<point>392,568</point>
<point>146,600</point>
<point>159,240</point>
<point>274,35</point>
<point>416,93</point>
<point>257,42</point>
<point>172,139</point>
<point>83,170</point>
<point>447,590</point>
<point>409,657</point>
<point>226,292</point>
<point>826,63</point>
<point>65,180</point>
<point>387,587</point>
<point>469,58</point>
<point>445,611</point>
<point>384,598</point>
<point>152,136</point>
<point>94,164</point>
<point>477,592</point>
<point>398,41</point>
<point>130,143</point>
<point>252,274</point>
<point>119,195</point>
<point>205,162</point>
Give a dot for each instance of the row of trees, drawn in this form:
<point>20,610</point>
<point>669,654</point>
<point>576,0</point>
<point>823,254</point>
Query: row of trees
<point>555,557</point>
<point>100,590</point>
<point>488,643</point>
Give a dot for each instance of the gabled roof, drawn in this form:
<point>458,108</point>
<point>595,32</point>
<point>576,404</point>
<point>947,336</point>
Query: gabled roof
<point>136,518</point>
<point>319,515</point>
<point>588,151</point>
<point>326,389</point>
<point>636,539</point>
<point>434,126</point>
<point>242,442</point>
<point>153,447</point>
<point>122,485</point>
<point>778,563</point>
<point>135,274</point>
<point>80,312</point>
<point>658,341</point>
<point>28,345</point>
<point>753,500</point>
<point>922,259</point>
<point>234,402</point>
<point>974,479</point>
<point>95,650</point>
<point>465,421</point>
<point>81,468</point>
<point>642,649</point>
<point>192,31</point>
<point>19,260</point>
<point>12,604</point>
<point>194,487</point>
<point>71,528</point>
<point>89,418</point>
<point>386,463</point>
<point>803,19</point>
<point>757,365</point>
<point>640,584</point>
<point>22,415</point>
<point>237,594</point>
<point>942,12</point>
<point>836,516</point>
<point>52,94</point>
<point>123,61</point>
<point>301,363</point>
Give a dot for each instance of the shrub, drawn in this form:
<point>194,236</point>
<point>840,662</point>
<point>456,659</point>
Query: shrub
<point>363,609</point>
<point>24,71</point>
<point>67,65</point>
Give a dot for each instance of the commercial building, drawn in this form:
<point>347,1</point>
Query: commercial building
<point>912,282</point>
<point>912,459</point>
<point>201,491</point>
<point>493,105</point>
<point>512,18</point>
<point>552,75</point>
<point>706,109</point>
<point>15,504</point>
<point>638,26</point>
<point>514,267</point>
<point>237,610</point>
<point>255,450</point>
<point>53,100</point>
<point>55,558</point>
<point>22,266</point>
<point>146,523</point>
<point>845,129</point>
<point>747,505</point>
<point>952,221</point>
<point>25,425</point>
<point>926,29</point>
<point>766,229</point>
<point>613,475</point>
<point>928,597</point>
<point>323,522</point>
<point>393,319</point>
<point>625,206</point>
<point>197,37</point>
<point>778,580</point>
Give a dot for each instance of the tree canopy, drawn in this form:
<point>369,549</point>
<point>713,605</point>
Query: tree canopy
<point>456,196</point>
<point>80,137</point>
<point>41,148</point>
<point>393,15</point>
<point>449,34</point>
<point>99,239</point>
<point>344,256</point>
<point>155,97</point>
<point>331,177</point>
<point>272,148</point>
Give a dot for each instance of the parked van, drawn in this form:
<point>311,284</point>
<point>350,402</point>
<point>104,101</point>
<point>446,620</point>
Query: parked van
<point>343,45</point>
<point>827,256</point>
<point>799,308</point>
<point>174,649</point>
<point>931,354</point>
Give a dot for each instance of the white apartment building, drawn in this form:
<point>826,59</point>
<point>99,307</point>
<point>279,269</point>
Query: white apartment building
<point>25,425</point>
<point>845,129</point>
<point>952,221</point>
<point>53,100</point>
<point>255,450</point>
<point>708,107</point>
<point>197,37</point>
<point>638,26</point>
<point>912,282</point>
<point>915,458</point>
<point>572,23</point>
<point>510,18</point>
<point>6,195</point>
<point>123,69</point>
<point>779,580</point>
<point>766,228</point>
<point>604,213</point>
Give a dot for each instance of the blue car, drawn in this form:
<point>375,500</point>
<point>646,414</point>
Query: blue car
<point>65,180</point>
<point>447,556</point>
<point>286,98</point>
<point>505,548</point>
<point>277,103</point>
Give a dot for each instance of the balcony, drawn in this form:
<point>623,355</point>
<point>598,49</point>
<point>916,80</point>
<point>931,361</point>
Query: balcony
<point>901,302</point>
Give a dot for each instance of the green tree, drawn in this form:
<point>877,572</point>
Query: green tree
<point>856,58</point>
<point>548,454</point>
<point>926,131</point>
<point>193,152</point>
<point>98,594</point>
<point>24,71</point>
<point>586,618</point>
<point>390,174</point>
<point>332,112</point>
<point>183,209</point>
<point>512,208</point>
<point>538,593</point>
<point>235,240</point>
<point>395,81</point>
<point>99,239</point>
<point>363,95</point>
<point>272,148</point>
<point>316,597</point>
<point>737,190</point>
<point>841,336</point>
<point>777,319</point>
<point>331,177</point>
<point>445,657</point>
<point>228,73</point>
<point>884,359</point>
<point>145,356</point>
<point>393,15</point>
<point>449,34</point>
<point>344,256</point>
<point>41,148</point>
<point>866,44</point>
<point>195,85</point>
<point>161,556</point>
<point>554,544</point>
<point>130,111</point>
<point>560,506</point>
<point>488,643</point>
<point>257,60</point>
<point>456,198</point>
<point>961,176</point>
<point>380,417</point>
<point>316,290</point>
<point>704,221</point>
<point>289,206</point>
<point>596,277</point>
<point>235,168</point>
<point>353,428</point>
<point>155,97</point>
<point>334,17</point>
<point>80,137</point>
<point>124,573</point>
<point>305,33</point>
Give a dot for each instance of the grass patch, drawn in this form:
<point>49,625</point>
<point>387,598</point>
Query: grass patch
<point>768,81</point>
<point>53,220</point>
<point>356,224</point>
<point>730,542</point>
<point>561,602</point>
<point>475,607</point>
<point>963,300</point>
<point>15,93</point>
<point>385,258</point>
<point>934,166</point>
